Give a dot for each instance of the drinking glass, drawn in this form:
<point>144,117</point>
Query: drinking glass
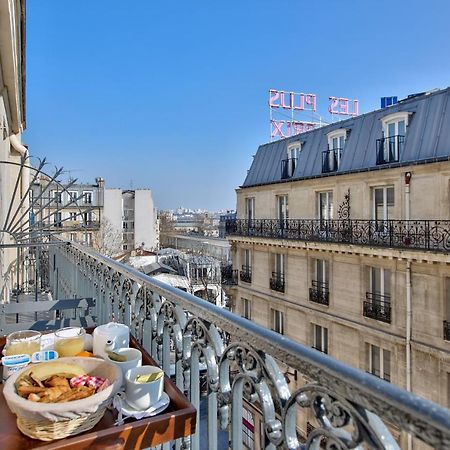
<point>69,341</point>
<point>23,342</point>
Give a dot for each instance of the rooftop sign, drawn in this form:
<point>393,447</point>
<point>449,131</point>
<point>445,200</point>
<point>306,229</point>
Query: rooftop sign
<point>301,104</point>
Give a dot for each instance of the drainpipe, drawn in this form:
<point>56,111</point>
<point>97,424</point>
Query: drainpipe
<point>408,336</point>
<point>408,300</point>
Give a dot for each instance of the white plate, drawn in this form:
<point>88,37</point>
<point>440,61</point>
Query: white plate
<point>129,411</point>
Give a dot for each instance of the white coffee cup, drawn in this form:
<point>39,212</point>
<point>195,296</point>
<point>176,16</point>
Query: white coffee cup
<point>134,359</point>
<point>143,395</point>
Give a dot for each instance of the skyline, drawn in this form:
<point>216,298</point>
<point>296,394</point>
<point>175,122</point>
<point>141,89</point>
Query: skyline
<point>185,89</point>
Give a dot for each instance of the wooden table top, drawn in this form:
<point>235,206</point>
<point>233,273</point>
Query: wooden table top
<point>178,420</point>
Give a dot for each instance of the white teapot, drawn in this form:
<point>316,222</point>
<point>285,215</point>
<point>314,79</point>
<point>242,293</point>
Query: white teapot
<point>110,336</point>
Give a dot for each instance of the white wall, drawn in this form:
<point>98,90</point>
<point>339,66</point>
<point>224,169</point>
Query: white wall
<point>112,210</point>
<point>145,220</point>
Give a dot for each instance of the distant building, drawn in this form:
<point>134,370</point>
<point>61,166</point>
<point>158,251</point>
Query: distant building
<point>230,215</point>
<point>132,213</point>
<point>73,210</point>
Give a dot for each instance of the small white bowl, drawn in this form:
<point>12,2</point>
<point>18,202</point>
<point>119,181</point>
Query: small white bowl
<point>143,395</point>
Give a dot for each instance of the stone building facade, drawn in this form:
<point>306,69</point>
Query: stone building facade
<point>342,243</point>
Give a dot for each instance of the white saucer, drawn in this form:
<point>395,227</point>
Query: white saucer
<point>130,411</point>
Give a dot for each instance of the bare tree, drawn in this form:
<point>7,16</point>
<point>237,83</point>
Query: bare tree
<point>107,240</point>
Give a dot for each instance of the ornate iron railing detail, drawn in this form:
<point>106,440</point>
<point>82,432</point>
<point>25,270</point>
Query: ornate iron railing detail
<point>229,275</point>
<point>277,282</point>
<point>389,148</point>
<point>189,336</point>
<point>246,274</point>
<point>331,160</point>
<point>406,234</point>
<point>377,306</point>
<point>319,293</point>
<point>446,330</point>
<point>288,167</point>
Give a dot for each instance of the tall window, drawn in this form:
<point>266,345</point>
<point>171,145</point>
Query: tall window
<point>57,219</point>
<point>380,281</point>
<point>282,207</point>
<point>320,338</point>
<point>246,308</point>
<point>246,272</point>
<point>88,239</point>
<point>325,205</point>
<point>293,153</point>
<point>394,130</point>
<point>72,196</point>
<point>378,361</point>
<point>277,321</point>
<point>73,236</point>
<point>87,217</point>
<point>87,197</point>
<point>250,208</point>
<point>57,196</point>
<point>277,282</point>
<point>73,216</point>
<point>383,204</point>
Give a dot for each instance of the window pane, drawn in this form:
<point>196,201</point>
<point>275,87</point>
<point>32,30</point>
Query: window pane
<point>375,360</point>
<point>387,365</point>
<point>325,340</point>
<point>317,337</point>
<point>387,282</point>
<point>401,128</point>
<point>391,129</point>
<point>376,280</point>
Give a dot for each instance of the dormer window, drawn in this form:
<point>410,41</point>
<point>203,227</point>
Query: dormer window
<point>331,158</point>
<point>289,164</point>
<point>391,144</point>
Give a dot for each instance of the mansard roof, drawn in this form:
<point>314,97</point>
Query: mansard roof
<point>427,140</point>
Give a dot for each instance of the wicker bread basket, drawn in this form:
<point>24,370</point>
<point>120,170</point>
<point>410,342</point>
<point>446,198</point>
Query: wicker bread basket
<point>49,421</point>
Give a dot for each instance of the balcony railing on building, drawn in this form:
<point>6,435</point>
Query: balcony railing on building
<point>331,160</point>
<point>446,330</point>
<point>389,148</point>
<point>227,362</point>
<point>288,167</point>
<point>377,306</point>
<point>412,234</point>
<point>319,293</point>
<point>277,282</point>
<point>246,274</point>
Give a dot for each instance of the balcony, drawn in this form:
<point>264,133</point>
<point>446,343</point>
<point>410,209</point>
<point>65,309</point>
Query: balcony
<point>378,307</point>
<point>389,148</point>
<point>288,167</point>
<point>190,337</point>
<point>246,274</point>
<point>277,282</point>
<point>229,276</point>
<point>319,293</point>
<point>431,235</point>
<point>446,330</point>
<point>331,160</point>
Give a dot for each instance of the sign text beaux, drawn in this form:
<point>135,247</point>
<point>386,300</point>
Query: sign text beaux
<point>304,102</point>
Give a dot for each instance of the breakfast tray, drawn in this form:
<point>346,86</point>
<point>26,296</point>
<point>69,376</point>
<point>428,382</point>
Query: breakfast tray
<point>178,420</point>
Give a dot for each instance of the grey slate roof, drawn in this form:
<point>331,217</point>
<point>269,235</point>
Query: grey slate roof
<point>427,140</point>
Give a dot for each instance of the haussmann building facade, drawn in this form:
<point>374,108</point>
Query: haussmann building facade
<point>342,243</point>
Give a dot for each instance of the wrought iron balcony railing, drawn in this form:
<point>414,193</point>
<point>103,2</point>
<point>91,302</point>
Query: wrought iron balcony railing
<point>377,306</point>
<point>406,234</point>
<point>331,160</point>
<point>229,275</point>
<point>319,293</point>
<point>389,148</point>
<point>446,330</point>
<point>246,274</point>
<point>236,359</point>
<point>288,167</point>
<point>277,282</point>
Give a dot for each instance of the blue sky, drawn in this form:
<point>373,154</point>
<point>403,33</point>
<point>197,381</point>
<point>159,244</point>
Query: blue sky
<point>173,96</point>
